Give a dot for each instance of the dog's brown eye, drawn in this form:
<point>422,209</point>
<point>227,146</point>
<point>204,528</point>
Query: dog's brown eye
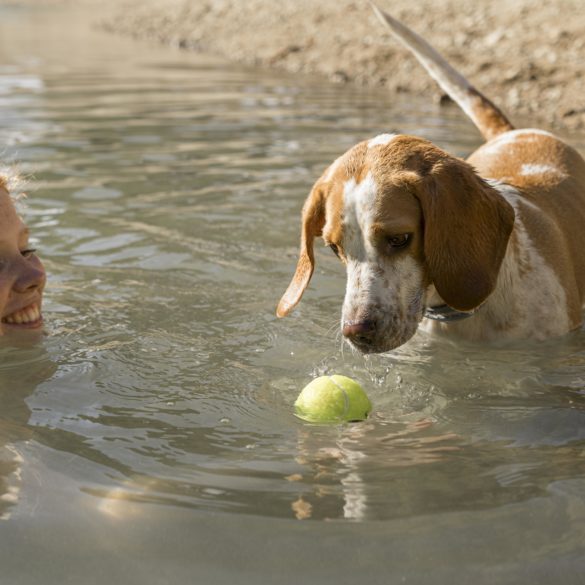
<point>399,241</point>
<point>335,249</point>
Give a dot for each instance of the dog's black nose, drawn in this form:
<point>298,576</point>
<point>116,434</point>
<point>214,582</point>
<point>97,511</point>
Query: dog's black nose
<point>360,332</point>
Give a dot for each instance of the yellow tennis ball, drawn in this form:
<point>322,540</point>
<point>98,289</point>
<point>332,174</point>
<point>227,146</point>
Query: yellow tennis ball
<point>333,399</point>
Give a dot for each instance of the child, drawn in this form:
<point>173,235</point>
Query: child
<point>22,276</point>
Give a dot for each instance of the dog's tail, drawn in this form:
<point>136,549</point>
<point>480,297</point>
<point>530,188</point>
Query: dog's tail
<point>485,115</point>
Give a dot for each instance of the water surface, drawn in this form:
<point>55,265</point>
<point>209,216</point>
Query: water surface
<point>149,438</point>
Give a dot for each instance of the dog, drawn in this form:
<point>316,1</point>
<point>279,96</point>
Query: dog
<point>484,249</point>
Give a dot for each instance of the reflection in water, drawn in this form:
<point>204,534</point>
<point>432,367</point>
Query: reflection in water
<point>334,484</point>
<point>165,194</point>
<point>23,366</point>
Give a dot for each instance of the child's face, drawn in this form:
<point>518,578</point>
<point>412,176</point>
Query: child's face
<point>22,276</point>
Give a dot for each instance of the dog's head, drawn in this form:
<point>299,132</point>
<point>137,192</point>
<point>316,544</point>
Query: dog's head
<point>404,217</point>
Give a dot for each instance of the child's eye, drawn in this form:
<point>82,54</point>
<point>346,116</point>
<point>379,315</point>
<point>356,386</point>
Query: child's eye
<point>28,252</point>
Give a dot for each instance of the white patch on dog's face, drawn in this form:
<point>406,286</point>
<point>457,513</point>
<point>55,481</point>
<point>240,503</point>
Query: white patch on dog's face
<point>386,289</point>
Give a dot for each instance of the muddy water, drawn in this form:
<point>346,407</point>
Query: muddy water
<point>149,437</point>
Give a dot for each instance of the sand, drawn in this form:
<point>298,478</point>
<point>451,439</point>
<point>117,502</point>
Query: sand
<point>526,55</point>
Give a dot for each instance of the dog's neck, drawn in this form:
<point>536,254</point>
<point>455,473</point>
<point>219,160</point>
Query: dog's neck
<point>523,302</point>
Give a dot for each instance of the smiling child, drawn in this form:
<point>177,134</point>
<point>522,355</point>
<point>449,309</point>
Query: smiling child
<point>22,275</point>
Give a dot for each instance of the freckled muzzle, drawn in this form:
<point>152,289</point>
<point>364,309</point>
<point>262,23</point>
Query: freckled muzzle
<point>381,326</point>
<point>379,331</point>
<point>359,332</point>
<point>379,313</point>
<point>373,337</point>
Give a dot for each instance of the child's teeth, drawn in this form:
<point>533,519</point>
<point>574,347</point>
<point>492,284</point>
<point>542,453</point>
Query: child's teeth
<point>26,315</point>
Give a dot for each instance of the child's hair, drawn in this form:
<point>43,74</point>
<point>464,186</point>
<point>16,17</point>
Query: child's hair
<point>11,181</point>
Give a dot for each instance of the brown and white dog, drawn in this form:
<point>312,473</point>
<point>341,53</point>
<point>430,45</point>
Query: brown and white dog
<point>488,248</point>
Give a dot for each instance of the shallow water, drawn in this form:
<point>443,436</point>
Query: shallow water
<point>149,437</point>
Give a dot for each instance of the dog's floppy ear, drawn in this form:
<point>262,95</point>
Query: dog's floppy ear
<point>313,220</point>
<point>467,227</point>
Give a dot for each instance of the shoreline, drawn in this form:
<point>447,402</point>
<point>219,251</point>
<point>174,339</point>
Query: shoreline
<point>527,57</point>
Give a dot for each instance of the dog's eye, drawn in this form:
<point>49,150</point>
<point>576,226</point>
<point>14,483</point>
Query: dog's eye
<point>335,249</point>
<point>398,241</point>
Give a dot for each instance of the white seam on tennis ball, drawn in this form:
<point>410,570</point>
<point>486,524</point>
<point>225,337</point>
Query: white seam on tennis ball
<point>345,396</point>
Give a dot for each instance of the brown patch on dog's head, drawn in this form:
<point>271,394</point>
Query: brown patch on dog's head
<point>467,225</point>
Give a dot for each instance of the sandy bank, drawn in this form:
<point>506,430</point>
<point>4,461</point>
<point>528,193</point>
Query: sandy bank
<point>527,55</point>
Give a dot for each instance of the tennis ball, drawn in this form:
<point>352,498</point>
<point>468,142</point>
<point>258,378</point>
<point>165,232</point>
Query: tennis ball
<point>332,399</point>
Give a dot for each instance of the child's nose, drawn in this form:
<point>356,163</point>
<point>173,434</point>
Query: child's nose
<point>30,277</point>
